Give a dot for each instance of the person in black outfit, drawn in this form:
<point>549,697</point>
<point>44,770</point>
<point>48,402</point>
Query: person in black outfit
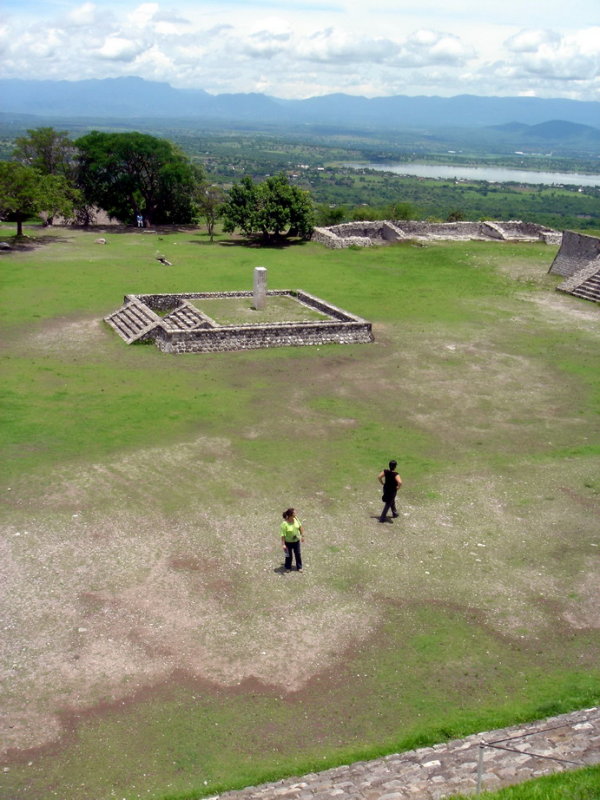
<point>391,482</point>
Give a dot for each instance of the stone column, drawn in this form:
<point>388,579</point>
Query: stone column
<point>260,287</point>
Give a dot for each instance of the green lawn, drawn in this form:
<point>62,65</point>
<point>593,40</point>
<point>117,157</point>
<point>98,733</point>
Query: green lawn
<point>153,648</point>
<point>241,311</point>
<point>583,784</point>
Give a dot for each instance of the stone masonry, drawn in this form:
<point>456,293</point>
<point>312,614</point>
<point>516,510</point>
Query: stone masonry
<point>367,233</point>
<point>577,251</point>
<point>487,761</point>
<point>186,329</point>
<point>578,261</point>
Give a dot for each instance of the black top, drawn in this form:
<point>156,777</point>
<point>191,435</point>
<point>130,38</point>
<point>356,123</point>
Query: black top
<point>390,487</point>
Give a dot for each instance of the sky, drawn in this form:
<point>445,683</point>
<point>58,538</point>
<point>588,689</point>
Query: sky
<point>305,48</point>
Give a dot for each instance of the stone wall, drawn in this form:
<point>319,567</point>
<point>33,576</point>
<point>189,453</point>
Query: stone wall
<point>367,233</point>
<point>577,252</point>
<point>333,241</point>
<point>188,330</point>
<point>168,302</point>
<point>252,337</point>
<point>416,229</point>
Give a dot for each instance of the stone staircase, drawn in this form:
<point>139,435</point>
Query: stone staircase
<point>584,283</point>
<point>186,317</point>
<point>589,289</point>
<point>133,321</point>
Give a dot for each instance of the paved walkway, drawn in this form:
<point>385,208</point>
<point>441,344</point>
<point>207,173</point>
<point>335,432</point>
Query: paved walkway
<point>551,745</point>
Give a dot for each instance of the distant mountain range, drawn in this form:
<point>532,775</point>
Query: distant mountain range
<point>130,98</point>
<point>552,131</point>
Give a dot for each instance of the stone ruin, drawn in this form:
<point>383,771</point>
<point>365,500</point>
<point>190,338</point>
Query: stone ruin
<point>578,260</point>
<point>176,323</point>
<point>367,234</point>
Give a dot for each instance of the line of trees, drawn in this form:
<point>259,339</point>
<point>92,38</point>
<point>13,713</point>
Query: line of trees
<point>133,175</point>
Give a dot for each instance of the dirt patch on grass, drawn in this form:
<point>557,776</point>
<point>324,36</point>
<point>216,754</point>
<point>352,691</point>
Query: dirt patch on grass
<point>68,336</point>
<point>584,611</point>
<point>101,604</point>
<point>560,309</point>
<point>106,591</point>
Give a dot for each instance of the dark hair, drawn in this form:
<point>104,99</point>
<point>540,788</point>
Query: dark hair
<point>393,464</point>
<point>287,513</point>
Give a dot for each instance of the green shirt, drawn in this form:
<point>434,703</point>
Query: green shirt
<point>290,531</point>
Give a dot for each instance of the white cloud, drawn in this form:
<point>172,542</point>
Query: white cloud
<point>87,14</point>
<point>276,27</point>
<point>312,47</point>
<point>338,46</point>
<point>270,37</point>
<point>529,41</point>
<point>143,14</point>
<point>431,47</point>
<point>117,48</point>
<point>572,57</point>
<point>154,64</point>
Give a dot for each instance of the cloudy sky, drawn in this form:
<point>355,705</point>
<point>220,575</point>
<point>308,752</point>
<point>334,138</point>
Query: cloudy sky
<point>303,48</point>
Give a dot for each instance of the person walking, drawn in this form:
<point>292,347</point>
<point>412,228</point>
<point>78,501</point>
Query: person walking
<point>292,534</point>
<point>391,482</point>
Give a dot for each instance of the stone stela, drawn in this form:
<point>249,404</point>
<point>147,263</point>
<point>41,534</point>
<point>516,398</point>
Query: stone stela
<point>260,288</point>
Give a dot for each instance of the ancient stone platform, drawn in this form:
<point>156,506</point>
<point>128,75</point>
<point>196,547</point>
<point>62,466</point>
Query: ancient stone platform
<point>176,324</point>
<point>510,755</point>
<point>578,261</point>
<point>368,233</point>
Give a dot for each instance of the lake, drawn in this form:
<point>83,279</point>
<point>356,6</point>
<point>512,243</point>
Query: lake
<point>491,174</point>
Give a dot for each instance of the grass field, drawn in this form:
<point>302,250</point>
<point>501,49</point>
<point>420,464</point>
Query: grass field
<point>582,784</point>
<point>152,646</point>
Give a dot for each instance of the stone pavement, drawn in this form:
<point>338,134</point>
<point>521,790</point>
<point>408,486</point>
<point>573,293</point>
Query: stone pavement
<point>551,745</point>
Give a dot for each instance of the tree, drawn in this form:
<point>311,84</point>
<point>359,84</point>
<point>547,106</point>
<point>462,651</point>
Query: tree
<point>271,209</point>
<point>401,211</point>
<point>365,212</point>
<point>128,174</point>
<point>209,199</point>
<point>331,215</point>
<point>240,210</point>
<point>25,192</point>
<point>50,152</point>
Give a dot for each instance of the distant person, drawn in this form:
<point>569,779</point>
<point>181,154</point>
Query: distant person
<point>140,221</point>
<point>391,482</point>
<point>292,534</point>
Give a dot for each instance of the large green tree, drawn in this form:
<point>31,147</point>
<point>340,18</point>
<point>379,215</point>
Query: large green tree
<point>49,151</point>
<point>25,192</point>
<point>271,209</point>
<point>128,174</point>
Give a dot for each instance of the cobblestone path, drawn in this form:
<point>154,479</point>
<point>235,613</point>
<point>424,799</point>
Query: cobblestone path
<point>551,745</point>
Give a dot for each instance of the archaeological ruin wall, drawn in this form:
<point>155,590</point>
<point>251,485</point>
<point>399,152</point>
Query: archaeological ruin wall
<point>577,251</point>
<point>578,260</point>
<point>177,324</point>
<point>367,233</point>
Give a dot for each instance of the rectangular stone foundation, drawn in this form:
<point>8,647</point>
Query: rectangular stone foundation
<point>209,337</point>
